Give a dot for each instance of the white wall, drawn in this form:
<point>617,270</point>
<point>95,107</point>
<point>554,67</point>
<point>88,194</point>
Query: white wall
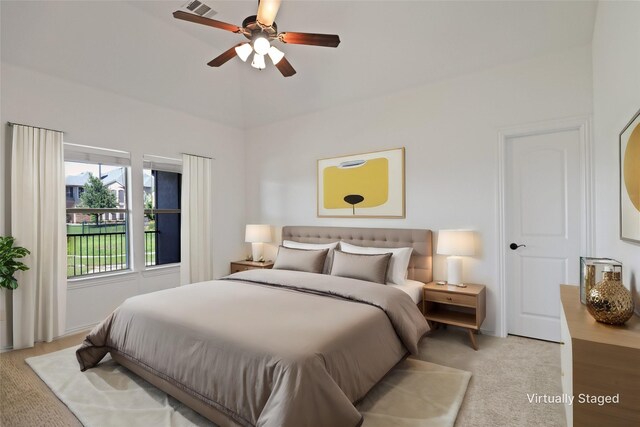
<point>102,119</point>
<point>616,98</point>
<point>450,131</point>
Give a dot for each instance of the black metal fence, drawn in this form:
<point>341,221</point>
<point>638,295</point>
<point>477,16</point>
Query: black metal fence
<point>99,249</point>
<point>91,253</point>
<point>150,247</point>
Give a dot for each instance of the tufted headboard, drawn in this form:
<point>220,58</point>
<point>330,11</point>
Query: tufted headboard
<point>420,266</point>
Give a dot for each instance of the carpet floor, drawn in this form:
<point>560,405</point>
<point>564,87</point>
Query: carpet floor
<point>504,371</point>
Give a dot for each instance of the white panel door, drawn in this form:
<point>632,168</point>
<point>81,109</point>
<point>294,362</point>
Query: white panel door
<point>542,213</point>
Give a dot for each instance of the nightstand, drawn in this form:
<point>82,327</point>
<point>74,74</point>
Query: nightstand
<point>249,265</point>
<point>451,305</point>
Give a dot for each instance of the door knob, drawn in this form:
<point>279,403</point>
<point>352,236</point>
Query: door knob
<point>515,246</point>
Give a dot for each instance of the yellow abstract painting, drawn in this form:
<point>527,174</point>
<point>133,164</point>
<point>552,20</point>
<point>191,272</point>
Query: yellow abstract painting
<point>360,185</point>
<point>630,181</point>
<point>366,179</point>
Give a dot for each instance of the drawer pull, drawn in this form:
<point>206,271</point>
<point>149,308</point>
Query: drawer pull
<point>449,299</point>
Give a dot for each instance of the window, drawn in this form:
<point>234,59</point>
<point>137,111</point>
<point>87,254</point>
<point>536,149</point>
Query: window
<point>97,217</point>
<point>162,193</point>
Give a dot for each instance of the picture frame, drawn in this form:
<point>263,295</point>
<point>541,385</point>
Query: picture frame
<point>630,180</point>
<point>364,185</point>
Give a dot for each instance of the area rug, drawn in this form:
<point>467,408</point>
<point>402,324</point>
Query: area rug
<point>414,394</point>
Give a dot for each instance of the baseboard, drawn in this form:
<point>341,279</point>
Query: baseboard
<point>489,332</point>
<point>77,329</point>
<point>67,333</point>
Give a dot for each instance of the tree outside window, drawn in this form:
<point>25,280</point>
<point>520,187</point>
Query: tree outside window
<point>97,195</point>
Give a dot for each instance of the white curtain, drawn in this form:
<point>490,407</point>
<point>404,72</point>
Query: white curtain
<point>38,224</point>
<point>197,217</point>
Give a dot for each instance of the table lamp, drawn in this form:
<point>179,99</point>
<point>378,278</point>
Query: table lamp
<point>257,234</point>
<point>456,244</point>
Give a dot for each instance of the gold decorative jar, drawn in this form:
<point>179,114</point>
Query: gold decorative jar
<point>592,268</point>
<point>609,301</point>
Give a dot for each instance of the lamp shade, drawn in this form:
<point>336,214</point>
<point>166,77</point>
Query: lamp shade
<point>243,51</point>
<point>275,54</point>
<point>257,233</point>
<point>258,62</point>
<point>456,242</point>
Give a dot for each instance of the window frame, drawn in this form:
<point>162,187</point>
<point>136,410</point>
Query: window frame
<point>100,156</point>
<point>162,164</point>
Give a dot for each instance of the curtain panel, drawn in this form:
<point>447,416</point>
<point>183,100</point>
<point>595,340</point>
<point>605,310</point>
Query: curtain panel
<point>38,223</point>
<point>197,218</point>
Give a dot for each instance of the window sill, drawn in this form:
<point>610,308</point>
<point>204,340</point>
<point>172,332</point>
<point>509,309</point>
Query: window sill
<point>100,279</point>
<point>125,275</point>
<point>159,270</point>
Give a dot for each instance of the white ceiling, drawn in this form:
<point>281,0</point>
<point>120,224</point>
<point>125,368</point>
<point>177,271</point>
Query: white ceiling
<point>139,50</point>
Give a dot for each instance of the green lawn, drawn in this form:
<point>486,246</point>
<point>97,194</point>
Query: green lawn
<point>93,228</point>
<point>94,249</point>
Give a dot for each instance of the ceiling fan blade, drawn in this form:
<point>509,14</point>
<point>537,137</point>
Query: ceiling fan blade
<point>267,11</point>
<point>185,16</point>
<point>327,40</point>
<point>285,68</point>
<point>223,57</point>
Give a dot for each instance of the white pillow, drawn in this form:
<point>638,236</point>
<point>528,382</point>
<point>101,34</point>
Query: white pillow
<point>398,263</point>
<point>315,246</point>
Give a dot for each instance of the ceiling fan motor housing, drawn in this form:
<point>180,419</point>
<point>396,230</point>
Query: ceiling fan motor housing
<point>251,26</point>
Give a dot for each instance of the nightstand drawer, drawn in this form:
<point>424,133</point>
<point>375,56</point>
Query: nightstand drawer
<point>450,298</point>
<point>237,268</point>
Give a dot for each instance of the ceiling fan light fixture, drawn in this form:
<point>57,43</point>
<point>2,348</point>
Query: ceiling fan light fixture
<point>258,62</point>
<point>260,30</point>
<point>261,45</point>
<point>275,54</point>
<point>243,51</point>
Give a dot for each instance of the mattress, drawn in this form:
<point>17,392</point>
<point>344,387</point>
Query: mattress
<point>412,288</point>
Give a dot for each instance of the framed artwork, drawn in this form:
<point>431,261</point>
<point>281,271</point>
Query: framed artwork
<point>368,185</point>
<point>630,180</point>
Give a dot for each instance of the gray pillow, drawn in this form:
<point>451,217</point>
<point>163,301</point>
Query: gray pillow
<point>372,268</point>
<point>315,246</point>
<point>311,261</point>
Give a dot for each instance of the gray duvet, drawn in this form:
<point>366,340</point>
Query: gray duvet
<point>266,347</point>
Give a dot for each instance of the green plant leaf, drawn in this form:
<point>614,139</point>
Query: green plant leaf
<point>8,264</point>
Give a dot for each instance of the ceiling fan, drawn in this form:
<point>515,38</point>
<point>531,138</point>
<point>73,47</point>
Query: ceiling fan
<point>261,30</point>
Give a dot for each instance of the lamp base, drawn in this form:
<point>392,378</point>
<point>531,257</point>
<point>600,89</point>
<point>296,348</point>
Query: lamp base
<point>454,270</point>
<point>256,252</point>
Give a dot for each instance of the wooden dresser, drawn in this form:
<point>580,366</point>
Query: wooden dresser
<point>599,360</point>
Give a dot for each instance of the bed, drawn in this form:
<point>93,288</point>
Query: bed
<point>222,348</point>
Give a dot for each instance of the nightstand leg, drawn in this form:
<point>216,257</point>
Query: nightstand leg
<point>472,337</point>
